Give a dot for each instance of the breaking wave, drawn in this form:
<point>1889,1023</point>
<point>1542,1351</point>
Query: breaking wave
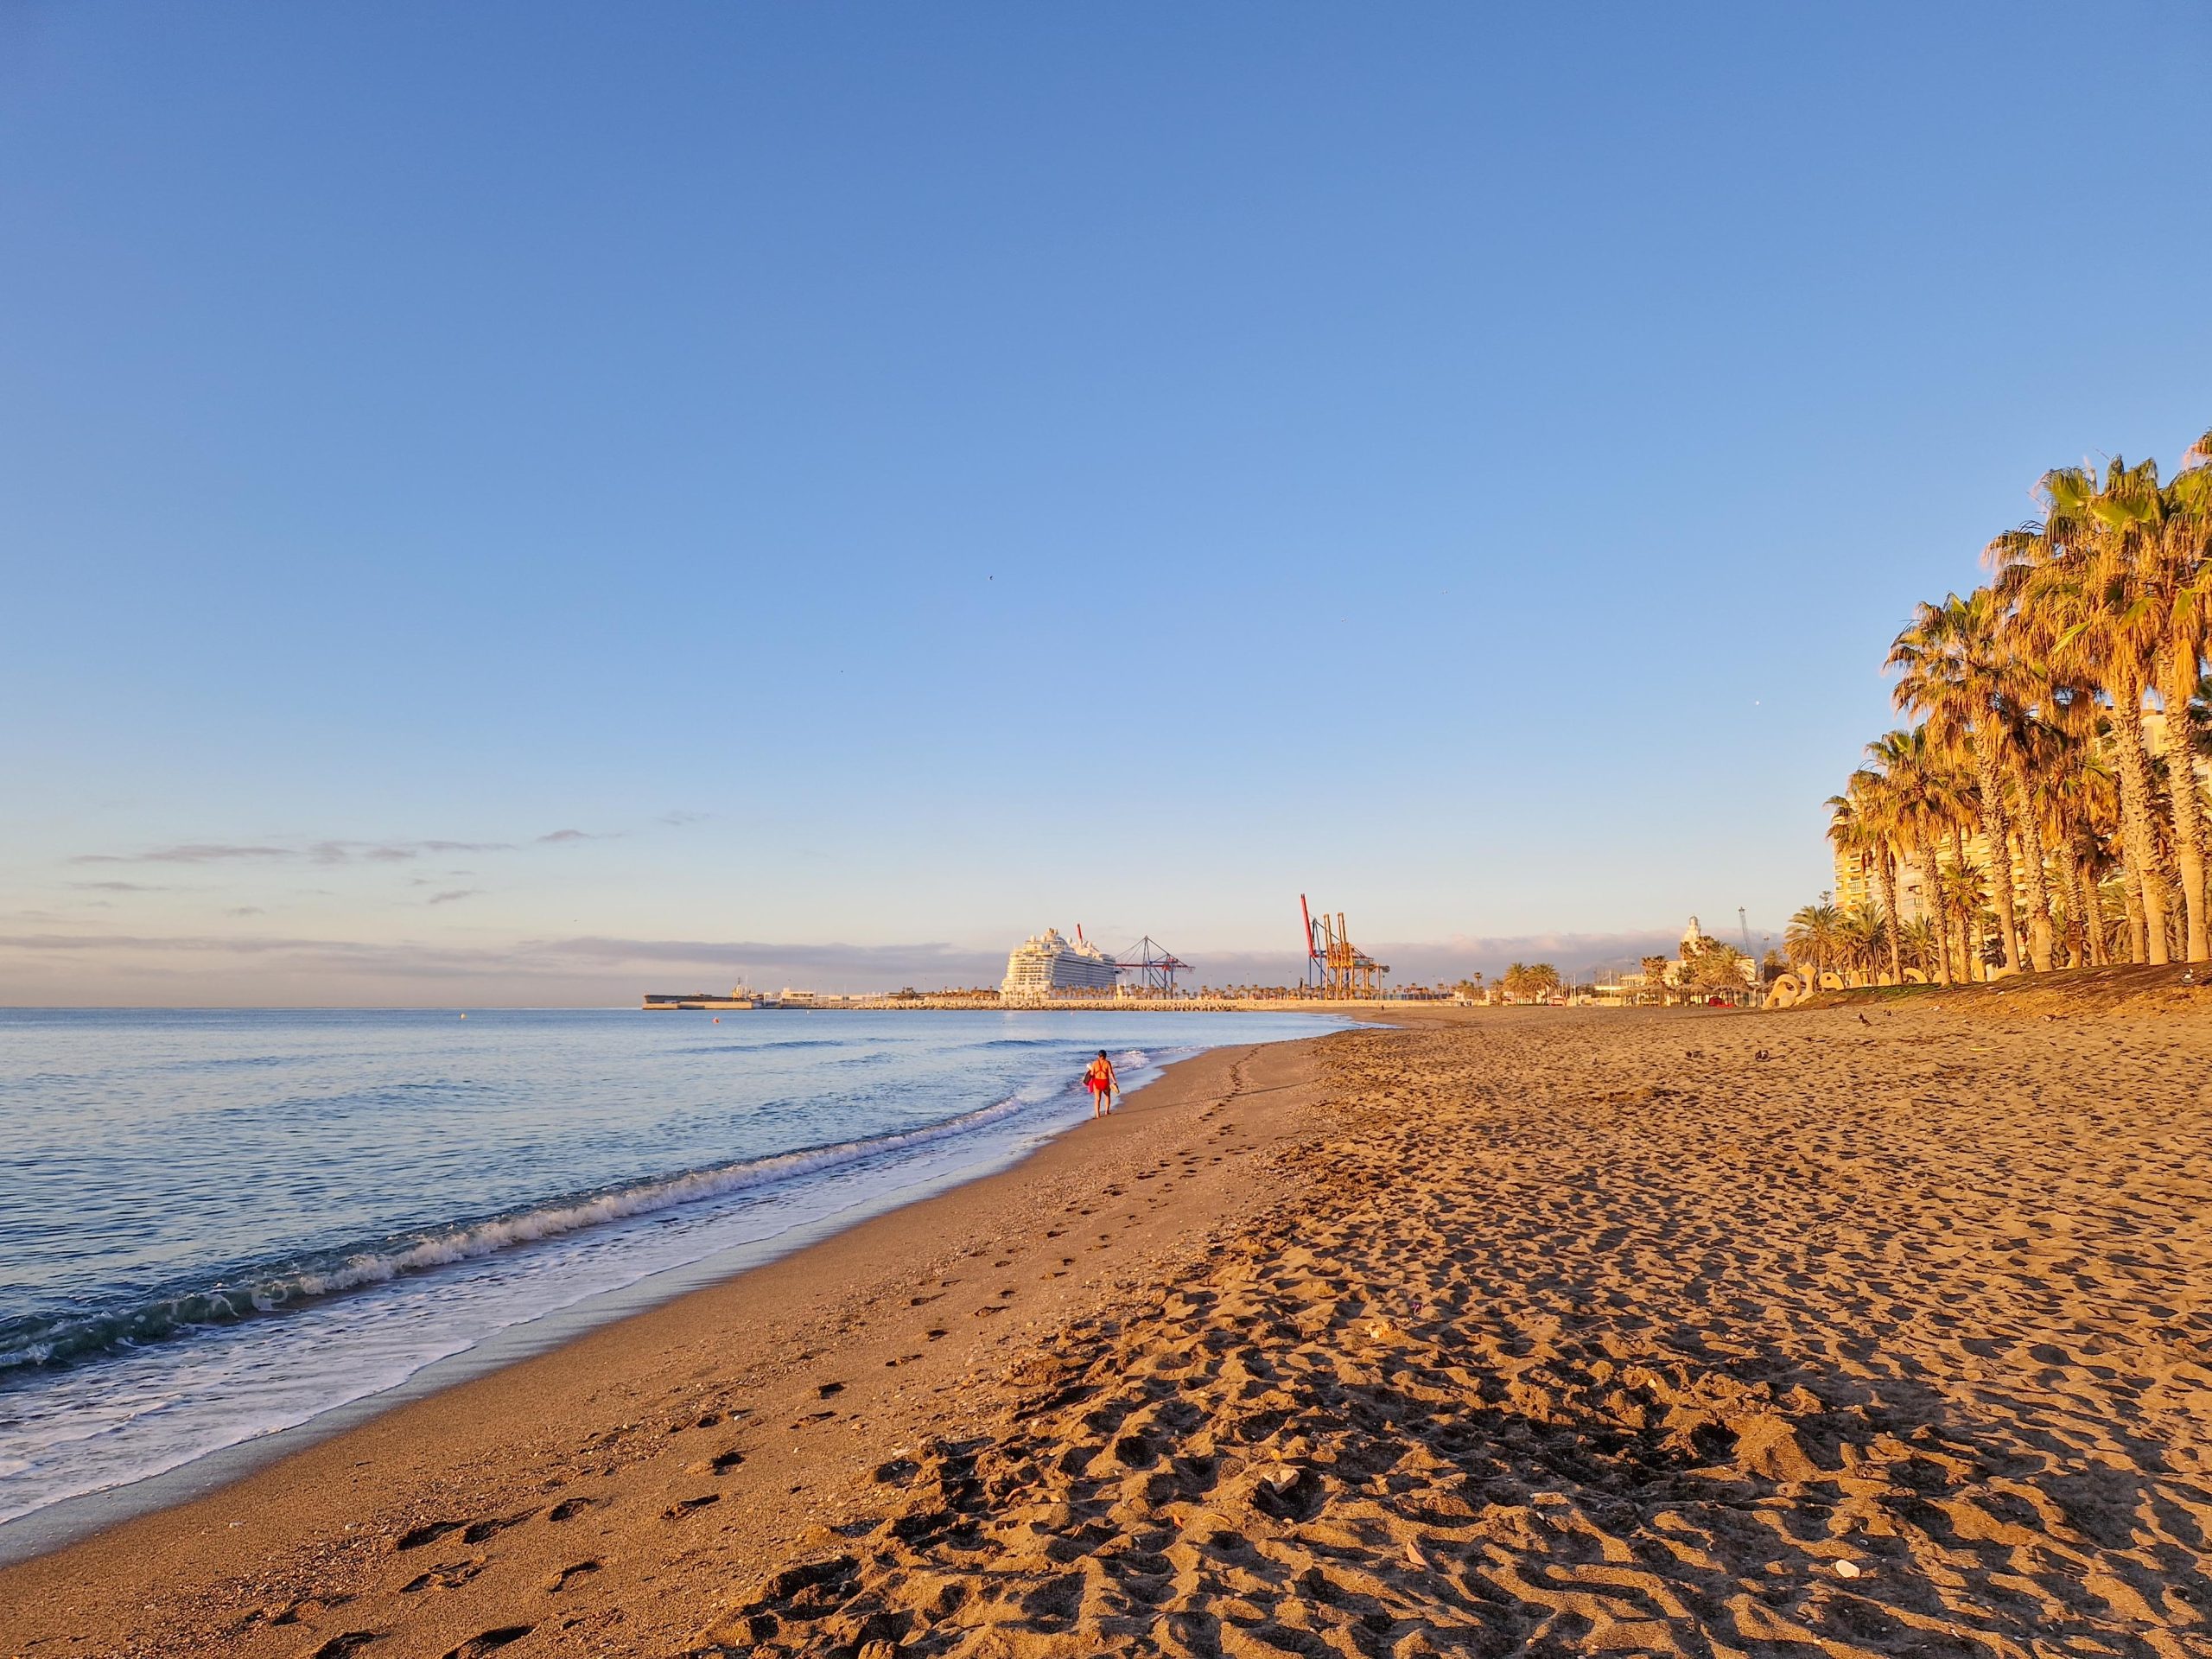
<point>48,1340</point>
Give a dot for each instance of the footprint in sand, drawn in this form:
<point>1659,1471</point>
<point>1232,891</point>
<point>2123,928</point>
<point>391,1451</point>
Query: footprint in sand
<point>428,1533</point>
<point>567,1575</point>
<point>478,1531</point>
<point>684,1506</point>
<point>345,1642</point>
<point>485,1641</point>
<point>307,1609</point>
<point>446,1575</point>
<point>569,1508</point>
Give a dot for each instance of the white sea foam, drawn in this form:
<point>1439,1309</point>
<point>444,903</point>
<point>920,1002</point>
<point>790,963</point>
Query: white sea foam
<point>400,1110</point>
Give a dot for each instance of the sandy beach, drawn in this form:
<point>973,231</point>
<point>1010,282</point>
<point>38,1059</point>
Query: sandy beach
<point>1875,1330</point>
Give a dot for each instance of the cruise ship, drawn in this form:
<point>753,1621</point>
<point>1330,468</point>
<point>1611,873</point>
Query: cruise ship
<point>1048,965</point>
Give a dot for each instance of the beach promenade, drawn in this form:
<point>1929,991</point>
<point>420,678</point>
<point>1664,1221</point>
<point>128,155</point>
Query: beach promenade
<point>1856,1330</point>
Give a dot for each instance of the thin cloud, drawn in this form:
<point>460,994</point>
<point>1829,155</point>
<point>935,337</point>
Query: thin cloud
<point>195,852</point>
<point>245,910</point>
<point>118,887</point>
<point>859,966</point>
<point>399,852</point>
<point>888,965</point>
<point>560,835</point>
<point>453,895</point>
<point>314,852</point>
<point>681,817</point>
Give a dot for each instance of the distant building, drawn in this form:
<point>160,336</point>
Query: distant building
<point>1858,885</point>
<point>1048,965</point>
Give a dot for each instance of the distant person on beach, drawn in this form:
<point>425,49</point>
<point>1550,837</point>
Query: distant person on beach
<point>1098,1078</point>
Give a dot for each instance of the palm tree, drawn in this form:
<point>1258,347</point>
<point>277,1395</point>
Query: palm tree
<point>2178,574</point>
<point>1918,800</point>
<point>1954,669</point>
<point>1866,938</point>
<point>2081,574</point>
<point>1852,834</point>
<point>1965,902</point>
<point>1949,793</point>
<point>2086,800</point>
<point>1815,935</point>
<point>1919,940</point>
<point>2045,717</point>
<point>1864,819</point>
<point>2034,698</point>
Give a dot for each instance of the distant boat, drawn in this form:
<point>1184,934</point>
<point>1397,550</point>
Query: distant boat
<point>1047,964</point>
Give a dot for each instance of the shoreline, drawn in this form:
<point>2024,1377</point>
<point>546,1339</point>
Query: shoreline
<point>789,1223</point>
<point>1859,1331</point>
<point>71,1519</point>
<point>765,1321</point>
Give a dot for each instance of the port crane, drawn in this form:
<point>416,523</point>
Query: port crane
<point>1150,966</point>
<point>1333,965</point>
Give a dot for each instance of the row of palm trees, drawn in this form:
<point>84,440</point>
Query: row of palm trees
<point>2046,800</point>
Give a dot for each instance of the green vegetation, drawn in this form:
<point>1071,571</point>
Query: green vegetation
<point>1523,982</point>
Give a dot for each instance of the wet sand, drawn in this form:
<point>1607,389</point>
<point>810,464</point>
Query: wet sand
<point>1837,1331</point>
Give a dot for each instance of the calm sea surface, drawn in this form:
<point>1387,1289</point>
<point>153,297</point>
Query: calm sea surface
<point>213,1225</point>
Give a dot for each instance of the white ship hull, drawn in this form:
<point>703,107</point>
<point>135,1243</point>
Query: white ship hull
<point>1048,965</point>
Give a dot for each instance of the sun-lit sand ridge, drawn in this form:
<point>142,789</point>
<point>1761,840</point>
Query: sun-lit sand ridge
<point>1513,1332</point>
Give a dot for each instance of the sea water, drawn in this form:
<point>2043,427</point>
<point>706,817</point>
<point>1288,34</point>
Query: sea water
<point>214,1226</point>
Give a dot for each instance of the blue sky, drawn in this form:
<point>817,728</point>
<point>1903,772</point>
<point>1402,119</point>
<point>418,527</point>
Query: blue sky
<point>873,481</point>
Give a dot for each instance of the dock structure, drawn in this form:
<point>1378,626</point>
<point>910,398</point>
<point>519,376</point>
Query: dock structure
<point>1296,1000</point>
<point>1337,967</point>
<point>738,998</point>
<point>1149,967</point>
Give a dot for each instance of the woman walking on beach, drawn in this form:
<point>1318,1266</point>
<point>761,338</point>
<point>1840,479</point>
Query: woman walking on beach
<point>1098,1078</point>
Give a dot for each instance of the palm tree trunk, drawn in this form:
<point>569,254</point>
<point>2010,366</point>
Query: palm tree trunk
<point>2094,917</point>
<point>2038,878</point>
<point>1997,834</point>
<point>2077,927</point>
<point>1885,865</point>
<point>2138,929</point>
<point>1969,958</point>
<point>2181,789</point>
<point>1931,902</point>
<point>2137,831</point>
